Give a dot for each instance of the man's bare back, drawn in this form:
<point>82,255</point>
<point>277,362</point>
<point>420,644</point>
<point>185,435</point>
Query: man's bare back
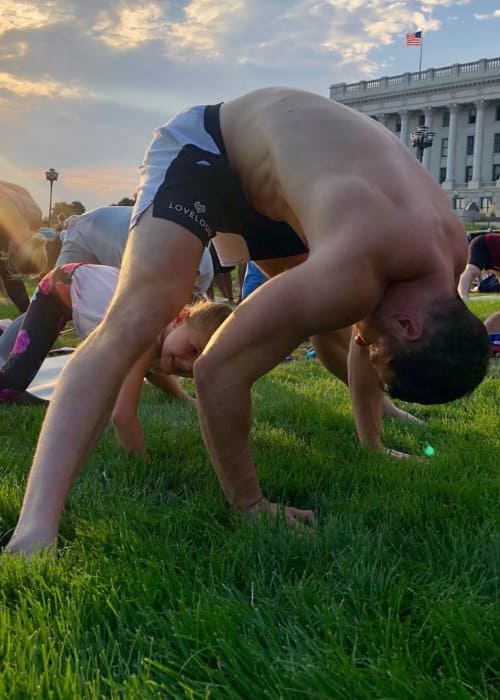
<point>343,159</point>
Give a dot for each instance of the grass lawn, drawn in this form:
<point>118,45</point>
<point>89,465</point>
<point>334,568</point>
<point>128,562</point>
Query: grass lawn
<point>162,591</point>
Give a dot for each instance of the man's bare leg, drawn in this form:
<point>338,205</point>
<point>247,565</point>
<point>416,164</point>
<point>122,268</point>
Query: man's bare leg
<point>158,273</point>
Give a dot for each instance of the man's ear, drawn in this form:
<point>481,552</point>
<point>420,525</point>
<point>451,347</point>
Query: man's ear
<point>411,326</point>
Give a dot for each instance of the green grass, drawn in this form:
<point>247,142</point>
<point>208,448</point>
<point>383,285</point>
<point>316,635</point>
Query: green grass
<point>162,591</point>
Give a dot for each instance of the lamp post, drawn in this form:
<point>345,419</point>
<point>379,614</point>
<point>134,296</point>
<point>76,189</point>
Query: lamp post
<point>51,175</point>
<point>421,139</point>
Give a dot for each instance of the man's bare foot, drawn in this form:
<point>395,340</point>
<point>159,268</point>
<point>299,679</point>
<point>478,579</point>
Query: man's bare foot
<point>28,546</point>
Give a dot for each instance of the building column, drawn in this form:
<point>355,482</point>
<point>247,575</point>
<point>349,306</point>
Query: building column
<point>382,118</point>
<point>449,183</point>
<point>403,135</point>
<point>426,160</point>
<point>478,145</point>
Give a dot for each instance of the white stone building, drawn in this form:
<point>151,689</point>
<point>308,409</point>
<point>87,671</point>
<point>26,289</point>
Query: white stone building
<point>461,104</point>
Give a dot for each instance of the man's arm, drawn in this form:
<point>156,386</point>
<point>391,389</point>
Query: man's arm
<point>366,396</point>
<point>124,417</point>
<point>470,273</point>
<point>315,297</point>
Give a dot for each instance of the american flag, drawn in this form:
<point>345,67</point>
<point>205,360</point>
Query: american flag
<point>414,39</point>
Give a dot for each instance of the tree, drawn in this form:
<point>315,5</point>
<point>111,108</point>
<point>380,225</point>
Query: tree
<point>125,202</point>
<point>78,208</point>
<point>66,209</point>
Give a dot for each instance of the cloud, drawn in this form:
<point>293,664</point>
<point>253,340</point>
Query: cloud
<point>44,87</point>
<point>201,24</point>
<point>128,27</point>
<point>240,32</point>
<point>493,15</point>
<point>19,16</point>
<point>191,34</point>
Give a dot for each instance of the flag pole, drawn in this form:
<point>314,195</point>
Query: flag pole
<point>421,45</point>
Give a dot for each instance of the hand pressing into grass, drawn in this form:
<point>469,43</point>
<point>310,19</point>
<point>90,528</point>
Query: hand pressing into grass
<point>129,434</point>
<point>396,453</point>
<point>293,516</point>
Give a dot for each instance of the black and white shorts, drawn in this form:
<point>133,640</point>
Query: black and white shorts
<point>187,179</point>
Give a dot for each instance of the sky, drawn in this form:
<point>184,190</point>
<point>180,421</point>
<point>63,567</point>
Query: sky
<point>84,83</point>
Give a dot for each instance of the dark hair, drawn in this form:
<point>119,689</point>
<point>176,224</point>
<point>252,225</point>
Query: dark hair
<point>449,360</point>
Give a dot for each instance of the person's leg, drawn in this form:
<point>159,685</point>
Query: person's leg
<point>241,276</point>
<point>210,292</point>
<point>492,323</point>
<point>224,282</point>
<point>46,317</point>
<point>8,338</point>
<point>158,273</point>
<point>14,286</point>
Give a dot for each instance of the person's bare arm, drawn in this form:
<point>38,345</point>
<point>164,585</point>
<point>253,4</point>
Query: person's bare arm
<point>332,349</point>
<point>152,289</point>
<point>312,298</point>
<point>124,417</point>
<point>366,396</point>
<point>170,385</point>
<point>470,273</point>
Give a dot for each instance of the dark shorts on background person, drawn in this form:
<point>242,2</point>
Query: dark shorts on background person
<point>484,251</point>
<point>187,179</point>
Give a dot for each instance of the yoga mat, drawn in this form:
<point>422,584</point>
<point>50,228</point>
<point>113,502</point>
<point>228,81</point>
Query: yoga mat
<point>44,383</point>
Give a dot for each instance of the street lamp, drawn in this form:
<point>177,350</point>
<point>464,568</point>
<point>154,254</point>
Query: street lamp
<point>421,139</point>
<point>51,175</point>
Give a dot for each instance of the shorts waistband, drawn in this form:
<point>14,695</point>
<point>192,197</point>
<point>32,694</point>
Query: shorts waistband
<point>211,122</point>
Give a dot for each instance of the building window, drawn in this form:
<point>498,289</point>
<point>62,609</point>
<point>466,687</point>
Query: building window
<point>421,119</point>
<point>496,144</point>
<point>458,202</point>
<point>496,172</point>
<point>486,204</point>
<point>398,126</point>
<point>472,115</point>
<point>446,118</point>
<point>468,173</point>
<point>470,145</point>
<point>444,148</point>
<point>498,113</point>
<point>442,174</point>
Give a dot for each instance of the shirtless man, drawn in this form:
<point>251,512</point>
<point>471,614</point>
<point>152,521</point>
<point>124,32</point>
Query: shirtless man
<point>317,190</point>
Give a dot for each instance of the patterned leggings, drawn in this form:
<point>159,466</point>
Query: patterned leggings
<point>49,311</point>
